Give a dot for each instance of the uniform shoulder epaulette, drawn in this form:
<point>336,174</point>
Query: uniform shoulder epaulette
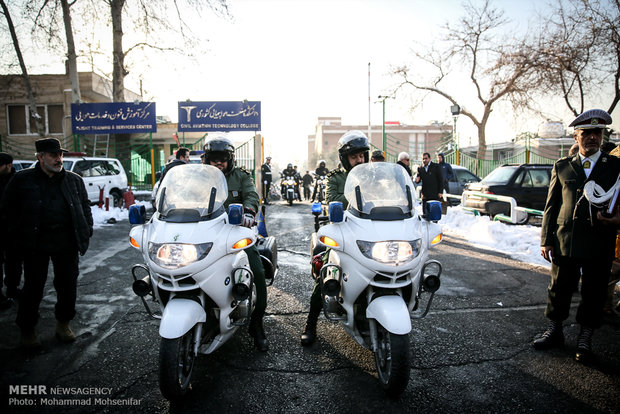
<point>332,172</point>
<point>565,159</point>
<point>242,169</point>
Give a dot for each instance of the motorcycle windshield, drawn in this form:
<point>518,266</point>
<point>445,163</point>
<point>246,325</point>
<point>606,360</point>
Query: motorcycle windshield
<point>379,187</point>
<point>191,190</point>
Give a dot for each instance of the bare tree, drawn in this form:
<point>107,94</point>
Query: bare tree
<point>475,46</point>
<point>31,101</point>
<point>578,53</point>
<point>149,17</point>
<point>45,15</point>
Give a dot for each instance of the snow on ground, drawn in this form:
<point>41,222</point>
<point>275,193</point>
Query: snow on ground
<point>519,242</point>
<point>102,218</point>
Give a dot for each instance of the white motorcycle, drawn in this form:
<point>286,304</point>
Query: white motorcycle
<point>377,266</point>
<point>195,269</point>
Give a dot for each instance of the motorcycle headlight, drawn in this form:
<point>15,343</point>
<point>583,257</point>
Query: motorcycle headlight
<point>394,253</point>
<point>175,255</point>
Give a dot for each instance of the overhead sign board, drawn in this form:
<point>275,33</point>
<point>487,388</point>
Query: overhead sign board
<point>219,116</point>
<point>113,118</point>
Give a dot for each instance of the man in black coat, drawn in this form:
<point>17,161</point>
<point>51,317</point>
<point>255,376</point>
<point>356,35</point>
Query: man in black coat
<point>432,180</point>
<point>267,178</point>
<point>7,264</point>
<point>47,213</point>
<point>573,239</point>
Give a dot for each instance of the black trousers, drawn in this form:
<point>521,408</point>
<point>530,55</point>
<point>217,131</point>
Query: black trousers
<point>266,188</point>
<point>565,274</point>
<point>66,271</point>
<point>10,268</point>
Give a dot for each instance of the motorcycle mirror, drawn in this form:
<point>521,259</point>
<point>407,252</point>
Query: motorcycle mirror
<point>137,214</point>
<point>235,214</point>
<point>433,211</point>
<point>335,212</point>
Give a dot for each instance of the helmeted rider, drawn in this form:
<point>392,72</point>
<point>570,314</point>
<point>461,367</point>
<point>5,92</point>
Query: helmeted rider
<point>220,152</point>
<point>321,170</point>
<point>289,171</point>
<point>353,148</point>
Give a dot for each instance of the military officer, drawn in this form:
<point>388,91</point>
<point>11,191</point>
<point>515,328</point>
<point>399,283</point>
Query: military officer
<point>220,153</point>
<point>353,148</point>
<point>573,239</point>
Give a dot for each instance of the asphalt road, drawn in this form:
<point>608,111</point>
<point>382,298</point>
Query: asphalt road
<point>470,354</point>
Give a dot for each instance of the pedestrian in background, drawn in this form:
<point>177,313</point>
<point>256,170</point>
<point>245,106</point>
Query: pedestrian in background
<point>307,182</point>
<point>446,171</point>
<point>47,213</point>
<point>403,160</point>
<point>182,158</point>
<point>377,156</point>
<point>266,177</point>
<point>432,180</point>
<point>574,240</point>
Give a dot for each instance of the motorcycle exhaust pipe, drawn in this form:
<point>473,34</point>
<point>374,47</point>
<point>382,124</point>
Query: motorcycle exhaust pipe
<point>142,287</point>
<point>431,283</point>
<point>242,288</point>
<point>331,275</point>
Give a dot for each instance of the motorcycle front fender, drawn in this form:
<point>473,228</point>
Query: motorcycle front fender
<point>179,316</point>
<point>391,312</point>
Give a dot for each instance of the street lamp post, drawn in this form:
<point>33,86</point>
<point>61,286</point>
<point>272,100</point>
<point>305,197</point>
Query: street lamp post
<point>455,110</point>
<point>383,98</point>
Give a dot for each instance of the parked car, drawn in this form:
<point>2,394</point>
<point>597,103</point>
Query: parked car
<point>528,184</point>
<point>460,178</point>
<point>22,164</point>
<point>100,173</point>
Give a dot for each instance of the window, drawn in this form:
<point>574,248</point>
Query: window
<point>20,124</point>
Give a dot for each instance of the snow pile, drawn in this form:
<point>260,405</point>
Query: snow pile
<point>104,218</point>
<point>519,242</point>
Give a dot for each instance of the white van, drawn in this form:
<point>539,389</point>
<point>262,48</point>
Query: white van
<point>100,173</point>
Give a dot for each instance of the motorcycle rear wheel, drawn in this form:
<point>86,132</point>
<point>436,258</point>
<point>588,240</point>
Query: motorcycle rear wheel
<point>392,361</point>
<point>176,361</point>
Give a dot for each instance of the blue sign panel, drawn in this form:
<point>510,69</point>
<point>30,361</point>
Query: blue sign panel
<point>219,116</point>
<point>113,118</point>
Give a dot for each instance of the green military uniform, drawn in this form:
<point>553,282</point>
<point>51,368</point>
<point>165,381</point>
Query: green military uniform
<point>241,190</point>
<point>335,187</point>
<point>335,192</point>
<point>583,247</point>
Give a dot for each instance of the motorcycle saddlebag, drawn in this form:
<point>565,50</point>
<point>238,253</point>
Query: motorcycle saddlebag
<point>268,251</point>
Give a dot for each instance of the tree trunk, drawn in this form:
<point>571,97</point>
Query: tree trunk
<point>71,56</point>
<point>118,70</point>
<point>31,103</point>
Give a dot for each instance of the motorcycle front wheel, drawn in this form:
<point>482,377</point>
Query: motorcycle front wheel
<point>176,361</point>
<point>392,361</point>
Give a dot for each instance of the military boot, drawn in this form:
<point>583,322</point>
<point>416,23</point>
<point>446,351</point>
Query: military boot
<point>551,338</point>
<point>64,332</point>
<point>28,339</point>
<point>309,335</point>
<point>584,345</point>
<point>257,332</point>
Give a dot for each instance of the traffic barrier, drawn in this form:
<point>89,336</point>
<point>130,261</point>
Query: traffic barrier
<point>506,199</point>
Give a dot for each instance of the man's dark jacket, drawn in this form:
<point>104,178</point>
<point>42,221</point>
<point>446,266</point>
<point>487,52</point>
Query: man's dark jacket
<point>432,181</point>
<point>4,180</point>
<point>21,203</point>
<point>406,167</point>
<point>171,165</point>
<point>575,232</point>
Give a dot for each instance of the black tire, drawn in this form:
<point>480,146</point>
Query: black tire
<point>392,361</point>
<point>117,198</point>
<point>176,361</point>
